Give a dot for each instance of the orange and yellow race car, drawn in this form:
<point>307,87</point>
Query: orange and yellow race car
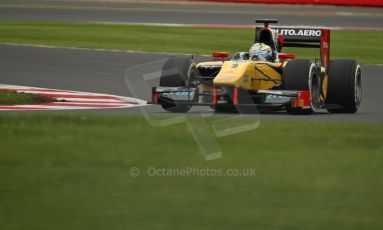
<point>264,77</point>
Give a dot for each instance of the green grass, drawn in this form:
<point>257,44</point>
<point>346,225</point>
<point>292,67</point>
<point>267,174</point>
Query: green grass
<point>13,98</point>
<point>72,172</point>
<point>362,46</point>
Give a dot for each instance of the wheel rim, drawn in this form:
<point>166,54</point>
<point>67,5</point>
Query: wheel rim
<point>358,86</point>
<point>192,80</point>
<point>314,87</point>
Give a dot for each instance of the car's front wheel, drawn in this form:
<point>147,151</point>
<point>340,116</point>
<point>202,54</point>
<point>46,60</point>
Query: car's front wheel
<point>303,75</point>
<point>178,71</point>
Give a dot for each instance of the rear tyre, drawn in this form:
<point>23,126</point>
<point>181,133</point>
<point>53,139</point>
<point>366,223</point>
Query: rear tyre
<point>178,72</point>
<point>303,75</point>
<point>344,86</point>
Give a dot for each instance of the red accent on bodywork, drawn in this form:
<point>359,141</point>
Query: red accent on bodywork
<point>235,96</point>
<point>325,47</point>
<point>284,56</point>
<point>156,97</point>
<point>302,101</point>
<point>221,55</point>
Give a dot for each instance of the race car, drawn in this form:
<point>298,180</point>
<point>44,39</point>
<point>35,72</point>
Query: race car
<point>264,77</point>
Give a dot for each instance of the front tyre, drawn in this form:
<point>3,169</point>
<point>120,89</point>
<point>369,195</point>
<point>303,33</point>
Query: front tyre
<point>178,72</point>
<point>344,86</point>
<point>303,75</point>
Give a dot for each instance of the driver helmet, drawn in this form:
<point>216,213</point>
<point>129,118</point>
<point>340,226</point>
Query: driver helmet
<point>261,52</point>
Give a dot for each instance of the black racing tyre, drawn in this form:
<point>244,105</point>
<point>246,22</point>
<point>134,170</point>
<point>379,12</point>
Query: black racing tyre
<point>344,86</point>
<point>178,71</point>
<point>303,75</point>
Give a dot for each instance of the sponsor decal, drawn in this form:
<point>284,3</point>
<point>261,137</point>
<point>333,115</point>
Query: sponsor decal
<point>300,32</point>
<point>275,92</point>
<point>271,96</point>
<point>179,93</point>
<point>209,66</point>
<point>276,98</point>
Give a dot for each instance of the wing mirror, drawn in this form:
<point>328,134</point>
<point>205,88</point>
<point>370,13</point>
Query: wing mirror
<point>285,56</point>
<point>221,55</point>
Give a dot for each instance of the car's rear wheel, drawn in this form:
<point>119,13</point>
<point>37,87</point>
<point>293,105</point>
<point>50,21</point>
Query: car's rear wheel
<point>178,72</point>
<point>303,75</point>
<point>344,86</point>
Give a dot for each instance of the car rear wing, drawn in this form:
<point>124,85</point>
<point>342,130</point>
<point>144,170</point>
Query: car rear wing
<point>306,37</point>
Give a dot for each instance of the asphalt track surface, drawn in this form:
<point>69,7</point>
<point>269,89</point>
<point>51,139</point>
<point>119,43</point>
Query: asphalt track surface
<point>105,72</point>
<point>201,13</point>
